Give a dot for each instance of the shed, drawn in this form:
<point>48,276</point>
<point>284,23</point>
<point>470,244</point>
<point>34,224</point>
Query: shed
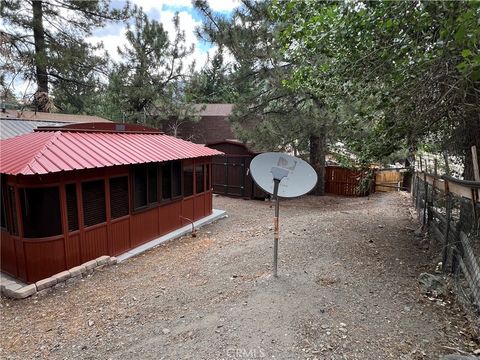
<point>73,193</point>
<point>231,171</point>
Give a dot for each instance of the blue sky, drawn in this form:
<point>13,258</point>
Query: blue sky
<point>113,35</point>
<point>163,11</point>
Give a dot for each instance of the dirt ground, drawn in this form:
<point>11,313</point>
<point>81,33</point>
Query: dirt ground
<point>347,289</point>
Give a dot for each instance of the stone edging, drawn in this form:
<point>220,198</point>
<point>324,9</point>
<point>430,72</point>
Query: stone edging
<point>16,291</point>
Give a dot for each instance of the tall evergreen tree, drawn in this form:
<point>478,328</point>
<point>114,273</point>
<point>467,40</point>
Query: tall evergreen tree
<point>152,73</point>
<point>46,43</point>
<point>268,114</point>
<point>213,84</point>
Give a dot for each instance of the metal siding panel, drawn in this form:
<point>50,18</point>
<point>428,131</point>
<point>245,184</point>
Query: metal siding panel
<point>44,258</point>
<point>120,231</point>
<point>94,243</point>
<point>169,217</point>
<point>7,254</point>
<point>187,210</point>
<point>144,227</point>
<point>72,245</point>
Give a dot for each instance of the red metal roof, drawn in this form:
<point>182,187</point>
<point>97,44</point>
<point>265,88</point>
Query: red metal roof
<point>53,151</point>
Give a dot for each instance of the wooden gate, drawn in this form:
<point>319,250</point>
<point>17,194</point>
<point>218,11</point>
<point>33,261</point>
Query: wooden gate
<point>388,180</point>
<point>230,172</point>
<point>343,181</point>
<point>228,175</point>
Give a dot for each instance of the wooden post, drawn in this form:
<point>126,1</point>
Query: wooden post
<point>416,192</point>
<point>420,160</point>
<point>476,172</point>
<point>425,200</point>
<point>435,167</point>
<point>446,245</point>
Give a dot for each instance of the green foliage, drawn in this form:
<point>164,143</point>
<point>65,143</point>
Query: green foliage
<point>147,85</point>
<point>212,84</point>
<point>55,57</point>
<point>399,74</point>
<point>267,114</point>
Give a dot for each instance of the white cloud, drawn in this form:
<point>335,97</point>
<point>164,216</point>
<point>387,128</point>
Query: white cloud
<point>148,5</point>
<point>216,5</point>
<point>223,5</point>
<point>187,24</point>
<point>111,42</point>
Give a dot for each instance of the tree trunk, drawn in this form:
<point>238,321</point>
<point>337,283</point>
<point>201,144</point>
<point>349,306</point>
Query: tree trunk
<point>40,52</point>
<point>317,160</point>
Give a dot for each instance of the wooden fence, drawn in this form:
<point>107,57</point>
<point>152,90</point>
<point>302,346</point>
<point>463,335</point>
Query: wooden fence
<point>344,181</point>
<point>450,209</point>
<point>388,180</point>
<point>348,182</point>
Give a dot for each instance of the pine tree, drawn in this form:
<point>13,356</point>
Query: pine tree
<point>213,84</point>
<point>45,41</point>
<point>152,73</point>
<point>267,114</point>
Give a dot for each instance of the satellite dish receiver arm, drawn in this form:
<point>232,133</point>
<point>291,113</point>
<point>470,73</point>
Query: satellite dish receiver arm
<point>278,175</point>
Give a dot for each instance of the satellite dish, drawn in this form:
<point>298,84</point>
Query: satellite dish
<point>282,176</point>
<point>299,177</point>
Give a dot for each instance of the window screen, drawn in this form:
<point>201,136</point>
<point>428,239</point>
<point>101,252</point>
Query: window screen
<point>140,186</point>
<point>166,180</point>
<point>207,176</point>
<point>119,197</point>
<point>176,179</point>
<point>13,228</point>
<point>3,222</point>
<point>188,180</point>
<point>3,204</point>
<point>72,209</point>
<point>199,176</point>
<point>93,194</point>
<point>41,212</point>
<point>152,183</point>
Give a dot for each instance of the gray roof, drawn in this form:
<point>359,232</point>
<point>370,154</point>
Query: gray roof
<point>10,127</point>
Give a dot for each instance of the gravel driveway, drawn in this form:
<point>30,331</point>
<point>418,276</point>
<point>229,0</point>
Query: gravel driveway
<point>347,289</point>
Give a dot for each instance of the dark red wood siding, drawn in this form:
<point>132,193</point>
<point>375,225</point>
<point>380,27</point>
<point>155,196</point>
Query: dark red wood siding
<point>33,259</point>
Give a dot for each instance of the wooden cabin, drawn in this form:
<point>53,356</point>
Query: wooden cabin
<point>73,193</point>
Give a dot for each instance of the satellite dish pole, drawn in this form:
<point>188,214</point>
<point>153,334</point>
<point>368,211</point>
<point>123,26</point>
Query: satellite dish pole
<point>278,175</point>
<point>298,178</point>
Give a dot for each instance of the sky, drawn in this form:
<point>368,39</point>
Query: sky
<point>113,35</point>
<point>163,11</point>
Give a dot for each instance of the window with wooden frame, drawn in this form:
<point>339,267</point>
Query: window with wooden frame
<point>145,185</point>
<point>41,212</point>
<point>171,176</point>
<point>93,200</point>
<point>187,180</point>
<point>72,206</point>
<point>12,222</point>
<point>119,197</point>
<point>176,179</point>
<point>3,222</point>
<point>199,178</point>
<point>207,177</point>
